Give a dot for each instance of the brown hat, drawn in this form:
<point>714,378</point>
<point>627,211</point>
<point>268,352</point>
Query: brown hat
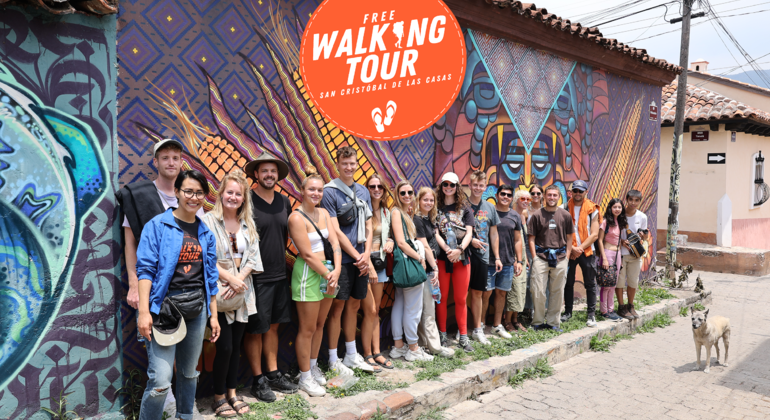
<point>283,168</point>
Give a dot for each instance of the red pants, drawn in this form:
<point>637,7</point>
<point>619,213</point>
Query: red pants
<point>460,277</point>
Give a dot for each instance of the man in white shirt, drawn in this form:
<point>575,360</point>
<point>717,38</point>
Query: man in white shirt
<point>632,267</point>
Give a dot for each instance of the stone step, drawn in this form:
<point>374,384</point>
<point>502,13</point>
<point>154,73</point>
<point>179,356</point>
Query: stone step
<point>717,259</point>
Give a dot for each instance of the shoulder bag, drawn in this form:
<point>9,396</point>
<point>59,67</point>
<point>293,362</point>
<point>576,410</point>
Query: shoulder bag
<point>328,251</point>
<point>236,302</point>
<point>636,244</point>
<point>608,277</point>
<point>407,272</point>
<point>348,212</point>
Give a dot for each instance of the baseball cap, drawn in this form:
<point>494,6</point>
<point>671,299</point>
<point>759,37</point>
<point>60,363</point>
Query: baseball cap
<point>579,185</point>
<point>164,142</point>
<point>169,337</point>
<point>451,177</point>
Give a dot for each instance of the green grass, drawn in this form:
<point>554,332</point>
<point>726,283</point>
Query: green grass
<point>605,343</point>
<point>366,382</point>
<point>433,414</point>
<point>379,415</point>
<point>398,364</point>
<point>684,311</point>
<point>541,370</point>
<point>292,407</point>
<point>647,296</point>
<point>434,368</point>
<point>658,321</point>
<point>698,306</point>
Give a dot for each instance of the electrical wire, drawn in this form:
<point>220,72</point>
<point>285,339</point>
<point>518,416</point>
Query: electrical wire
<point>664,24</point>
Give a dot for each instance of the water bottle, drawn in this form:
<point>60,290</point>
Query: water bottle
<point>325,284</point>
<point>435,289</point>
<point>451,238</point>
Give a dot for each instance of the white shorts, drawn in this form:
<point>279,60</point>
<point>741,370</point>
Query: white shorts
<point>629,272</point>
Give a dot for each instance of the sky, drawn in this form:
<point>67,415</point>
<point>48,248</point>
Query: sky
<point>747,20</point>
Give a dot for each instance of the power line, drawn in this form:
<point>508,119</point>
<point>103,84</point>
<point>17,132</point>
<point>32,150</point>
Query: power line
<point>640,11</point>
<point>665,24</point>
<point>726,10</point>
<point>675,30</point>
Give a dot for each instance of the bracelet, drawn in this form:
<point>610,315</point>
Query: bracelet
<point>327,273</point>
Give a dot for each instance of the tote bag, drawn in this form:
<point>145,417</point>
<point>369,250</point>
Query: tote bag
<point>407,272</point>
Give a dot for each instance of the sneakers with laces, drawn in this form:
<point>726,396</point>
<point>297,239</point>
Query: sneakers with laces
<point>479,336</point>
<point>465,344</point>
<point>443,352</point>
<point>357,361</point>
<point>261,390</point>
<point>397,352</point>
<point>282,384</point>
<point>442,338</point>
<point>419,354</point>
<point>591,322</point>
<point>340,369</point>
<point>500,330</point>
<point>566,317</point>
<point>612,316</point>
<point>317,375</point>
<point>312,388</point>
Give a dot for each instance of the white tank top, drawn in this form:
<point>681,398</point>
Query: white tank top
<point>316,243</point>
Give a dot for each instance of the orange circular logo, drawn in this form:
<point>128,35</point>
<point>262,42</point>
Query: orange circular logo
<point>383,70</point>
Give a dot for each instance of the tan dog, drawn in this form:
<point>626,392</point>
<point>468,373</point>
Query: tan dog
<point>706,332</point>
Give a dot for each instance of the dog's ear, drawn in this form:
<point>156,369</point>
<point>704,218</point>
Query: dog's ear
<point>706,314</point>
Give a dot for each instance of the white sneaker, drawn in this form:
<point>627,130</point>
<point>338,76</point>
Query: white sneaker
<point>357,361</point>
<point>457,336</point>
<point>480,337</point>
<point>319,376</point>
<point>340,369</point>
<point>500,330</point>
<point>444,352</point>
<point>419,354</point>
<point>591,321</point>
<point>312,388</point>
<point>396,352</point>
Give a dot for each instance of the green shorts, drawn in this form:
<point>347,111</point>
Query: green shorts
<point>305,283</point>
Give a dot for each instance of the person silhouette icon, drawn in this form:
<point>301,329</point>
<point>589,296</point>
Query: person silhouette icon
<point>398,30</point>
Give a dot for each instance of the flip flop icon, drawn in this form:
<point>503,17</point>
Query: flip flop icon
<point>377,118</point>
<point>390,111</point>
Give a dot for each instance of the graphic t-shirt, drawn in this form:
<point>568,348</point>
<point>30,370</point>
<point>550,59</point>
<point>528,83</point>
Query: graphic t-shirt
<point>334,199</point>
<point>635,222</point>
<point>189,267</point>
<point>507,231</point>
<point>550,229</point>
<point>485,217</point>
<point>426,229</point>
<point>272,222</point>
<point>448,216</point>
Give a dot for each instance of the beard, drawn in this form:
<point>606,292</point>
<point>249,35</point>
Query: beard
<point>264,183</point>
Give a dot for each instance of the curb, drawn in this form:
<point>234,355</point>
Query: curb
<point>486,375</point>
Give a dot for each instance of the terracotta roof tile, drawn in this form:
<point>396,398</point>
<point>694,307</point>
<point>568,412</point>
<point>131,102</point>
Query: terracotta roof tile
<point>722,79</point>
<point>590,34</point>
<point>64,7</point>
<point>703,105</point>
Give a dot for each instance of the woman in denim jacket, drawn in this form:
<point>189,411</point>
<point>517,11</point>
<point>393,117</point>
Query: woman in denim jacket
<point>238,258</point>
<point>176,254</point>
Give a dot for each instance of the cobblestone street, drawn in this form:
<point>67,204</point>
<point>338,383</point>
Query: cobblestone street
<point>651,376</point>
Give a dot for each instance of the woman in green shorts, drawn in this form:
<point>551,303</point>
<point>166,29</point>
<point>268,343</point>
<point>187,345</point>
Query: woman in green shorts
<point>309,228</point>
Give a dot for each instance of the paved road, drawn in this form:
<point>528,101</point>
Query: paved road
<point>651,376</point>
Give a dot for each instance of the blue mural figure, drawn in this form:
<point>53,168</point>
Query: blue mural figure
<point>52,174</point>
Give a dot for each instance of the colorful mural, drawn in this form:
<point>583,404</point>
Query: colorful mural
<point>222,76</point>
<point>58,269</point>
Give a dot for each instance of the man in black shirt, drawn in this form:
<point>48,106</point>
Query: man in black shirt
<point>272,287</point>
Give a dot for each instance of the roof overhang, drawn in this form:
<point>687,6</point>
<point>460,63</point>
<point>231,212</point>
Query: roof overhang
<point>741,125</point>
<point>505,21</point>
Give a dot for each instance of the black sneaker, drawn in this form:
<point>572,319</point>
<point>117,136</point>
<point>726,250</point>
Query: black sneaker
<point>465,344</point>
<point>566,317</point>
<point>442,338</point>
<point>282,384</point>
<point>261,390</point>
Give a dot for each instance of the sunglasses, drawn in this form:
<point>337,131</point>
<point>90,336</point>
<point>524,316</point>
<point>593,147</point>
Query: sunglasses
<point>376,187</point>
<point>536,194</point>
<point>525,199</point>
<point>505,194</point>
<point>405,193</point>
<point>448,185</point>
<point>577,191</point>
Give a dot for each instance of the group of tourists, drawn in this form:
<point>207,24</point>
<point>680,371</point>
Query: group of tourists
<point>222,275</point>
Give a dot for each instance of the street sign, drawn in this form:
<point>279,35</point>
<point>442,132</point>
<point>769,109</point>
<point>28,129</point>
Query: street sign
<point>717,158</point>
<point>700,136</point>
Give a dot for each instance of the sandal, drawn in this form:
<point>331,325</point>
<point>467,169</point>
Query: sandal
<point>509,327</point>
<point>238,404</point>
<point>220,407</point>
<point>373,363</point>
<point>387,365</point>
<point>520,327</point>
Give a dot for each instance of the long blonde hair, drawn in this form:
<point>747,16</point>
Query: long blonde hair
<point>403,209</point>
<point>433,213</point>
<point>244,212</point>
<point>516,196</point>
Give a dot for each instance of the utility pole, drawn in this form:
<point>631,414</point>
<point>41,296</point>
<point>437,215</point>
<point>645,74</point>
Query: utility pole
<point>676,152</point>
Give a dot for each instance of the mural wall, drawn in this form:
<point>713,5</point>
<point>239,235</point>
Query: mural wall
<point>58,269</point>
<point>222,76</point>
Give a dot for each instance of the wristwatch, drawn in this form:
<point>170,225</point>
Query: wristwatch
<point>520,262</point>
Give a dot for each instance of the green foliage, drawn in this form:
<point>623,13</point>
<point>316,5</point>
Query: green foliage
<point>292,407</point>
<point>698,306</point>
<point>604,343</point>
<point>433,414</point>
<point>541,370</point>
<point>379,415</point>
<point>398,364</point>
<point>651,295</point>
<point>165,416</point>
<point>366,382</point>
<point>132,391</point>
<point>658,321</point>
<point>434,368</point>
<point>683,311</point>
<point>60,405</point>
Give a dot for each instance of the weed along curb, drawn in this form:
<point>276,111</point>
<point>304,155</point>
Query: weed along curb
<point>486,375</point>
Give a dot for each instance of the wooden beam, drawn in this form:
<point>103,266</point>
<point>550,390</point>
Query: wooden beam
<point>714,126</point>
<point>739,126</point>
<point>508,24</point>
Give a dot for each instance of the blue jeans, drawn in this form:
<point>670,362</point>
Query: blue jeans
<point>160,370</point>
<point>500,281</point>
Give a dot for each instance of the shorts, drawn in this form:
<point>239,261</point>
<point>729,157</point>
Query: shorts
<point>478,274</point>
<point>305,283</point>
<point>382,277</point>
<point>273,306</point>
<point>629,272</point>
<point>353,283</point>
<point>502,280</point>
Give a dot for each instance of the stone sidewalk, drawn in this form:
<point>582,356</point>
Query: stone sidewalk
<point>651,376</point>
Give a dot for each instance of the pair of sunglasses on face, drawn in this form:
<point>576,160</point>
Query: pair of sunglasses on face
<point>448,185</point>
<point>380,187</point>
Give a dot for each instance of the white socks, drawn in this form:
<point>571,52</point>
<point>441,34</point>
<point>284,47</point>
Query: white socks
<point>478,330</point>
<point>332,356</point>
<point>313,362</point>
<point>303,376</point>
<point>350,347</point>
